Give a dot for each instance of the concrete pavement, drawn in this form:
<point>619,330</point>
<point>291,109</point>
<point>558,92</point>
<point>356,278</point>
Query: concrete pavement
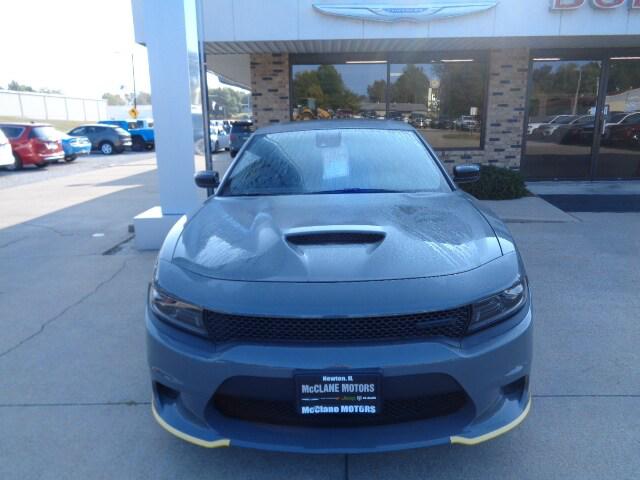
<point>74,389</point>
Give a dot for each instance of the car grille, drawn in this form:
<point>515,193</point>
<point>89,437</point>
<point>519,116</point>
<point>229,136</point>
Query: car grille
<point>405,399</point>
<point>225,328</point>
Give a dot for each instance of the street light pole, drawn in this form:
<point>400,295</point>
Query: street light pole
<point>133,72</point>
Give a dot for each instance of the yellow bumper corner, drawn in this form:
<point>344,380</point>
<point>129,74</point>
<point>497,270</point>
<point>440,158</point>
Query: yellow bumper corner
<point>223,442</point>
<point>496,433</point>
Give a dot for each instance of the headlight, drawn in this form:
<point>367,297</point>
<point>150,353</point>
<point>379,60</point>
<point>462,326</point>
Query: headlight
<point>176,312</point>
<point>499,307</point>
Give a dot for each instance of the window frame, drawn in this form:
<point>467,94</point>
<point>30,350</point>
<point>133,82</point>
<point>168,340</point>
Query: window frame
<point>482,57</point>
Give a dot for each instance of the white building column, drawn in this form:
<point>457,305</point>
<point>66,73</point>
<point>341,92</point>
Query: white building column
<point>169,30</point>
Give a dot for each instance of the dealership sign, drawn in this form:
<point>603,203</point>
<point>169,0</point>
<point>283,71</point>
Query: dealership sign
<point>599,4</point>
<point>423,12</point>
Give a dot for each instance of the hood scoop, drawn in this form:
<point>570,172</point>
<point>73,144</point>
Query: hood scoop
<point>334,235</point>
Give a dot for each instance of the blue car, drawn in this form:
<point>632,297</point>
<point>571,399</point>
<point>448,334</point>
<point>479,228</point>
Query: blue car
<point>74,147</point>
<point>339,294</point>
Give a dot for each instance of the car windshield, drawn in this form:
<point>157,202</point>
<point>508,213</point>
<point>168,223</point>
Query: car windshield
<point>122,131</point>
<point>46,133</point>
<point>242,128</point>
<point>335,161</point>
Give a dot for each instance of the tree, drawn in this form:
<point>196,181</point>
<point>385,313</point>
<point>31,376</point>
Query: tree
<point>113,99</point>
<point>227,101</point>
<point>411,87</point>
<point>462,86</point>
<point>326,87</point>
<point>13,85</point>
<point>376,91</point>
<point>50,90</point>
<point>144,98</point>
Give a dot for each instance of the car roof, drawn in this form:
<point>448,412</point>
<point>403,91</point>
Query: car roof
<point>334,124</point>
<point>24,124</point>
<point>106,125</point>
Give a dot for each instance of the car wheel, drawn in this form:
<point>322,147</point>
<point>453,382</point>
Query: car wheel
<point>41,165</point>
<point>137,144</point>
<point>17,163</point>
<point>216,147</point>
<point>106,148</point>
<point>233,153</point>
<point>70,158</point>
<point>149,146</point>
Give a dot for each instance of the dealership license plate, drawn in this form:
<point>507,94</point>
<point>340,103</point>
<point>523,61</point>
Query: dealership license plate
<point>338,394</point>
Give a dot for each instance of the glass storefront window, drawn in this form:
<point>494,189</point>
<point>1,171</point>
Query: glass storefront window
<point>562,108</point>
<point>339,91</point>
<point>443,100</point>
<point>619,155</point>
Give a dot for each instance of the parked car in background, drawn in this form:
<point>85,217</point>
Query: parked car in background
<point>569,132</point>
<point>419,120</point>
<point>107,139</point>
<point>626,134</point>
<point>240,132</point>
<point>466,122</point>
<point>33,144</point>
<point>550,120</point>
<point>6,154</point>
<point>222,140</point>
<point>74,147</point>
<point>141,130</point>
<point>619,119</point>
<point>443,123</point>
<point>215,137</point>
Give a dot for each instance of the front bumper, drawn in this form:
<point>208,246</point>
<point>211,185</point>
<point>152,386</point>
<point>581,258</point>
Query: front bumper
<point>186,372</point>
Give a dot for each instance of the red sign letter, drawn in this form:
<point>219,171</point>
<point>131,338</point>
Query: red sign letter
<point>607,3</point>
<point>566,4</point>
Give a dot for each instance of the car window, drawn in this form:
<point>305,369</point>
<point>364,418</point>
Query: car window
<point>121,131</point>
<point>13,132</point>
<point>242,128</point>
<point>632,119</point>
<point>335,161</point>
<point>45,133</point>
<point>77,131</point>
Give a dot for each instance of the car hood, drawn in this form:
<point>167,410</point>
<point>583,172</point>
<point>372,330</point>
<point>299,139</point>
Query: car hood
<point>332,238</point>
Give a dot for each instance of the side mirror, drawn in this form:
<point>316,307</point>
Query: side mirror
<point>466,173</point>
<point>207,179</point>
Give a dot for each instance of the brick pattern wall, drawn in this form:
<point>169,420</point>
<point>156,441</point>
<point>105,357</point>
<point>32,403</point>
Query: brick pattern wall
<point>270,88</point>
<point>505,104</point>
<point>508,73</point>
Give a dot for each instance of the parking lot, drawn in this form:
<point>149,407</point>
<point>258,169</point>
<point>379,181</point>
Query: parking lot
<point>74,386</point>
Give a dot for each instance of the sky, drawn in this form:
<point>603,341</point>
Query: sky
<point>82,47</point>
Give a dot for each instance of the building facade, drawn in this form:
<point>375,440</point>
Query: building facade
<point>547,87</point>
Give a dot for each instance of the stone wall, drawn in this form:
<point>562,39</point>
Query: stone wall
<point>270,88</point>
<point>505,103</point>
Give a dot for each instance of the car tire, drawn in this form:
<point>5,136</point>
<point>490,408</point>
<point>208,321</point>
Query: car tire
<point>137,144</point>
<point>149,146</point>
<point>40,165</point>
<point>17,163</point>
<point>233,153</point>
<point>216,147</point>
<point>106,148</point>
<point>70,158</point>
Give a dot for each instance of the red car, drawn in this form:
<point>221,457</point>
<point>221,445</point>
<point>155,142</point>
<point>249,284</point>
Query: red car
<point>33,144</point>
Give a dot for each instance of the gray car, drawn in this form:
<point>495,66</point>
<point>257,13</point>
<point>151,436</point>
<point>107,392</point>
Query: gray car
<point>339,294</point>
<point>107,139</point>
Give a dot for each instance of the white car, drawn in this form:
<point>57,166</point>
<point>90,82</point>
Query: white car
<point>220,139</point>
<point>553,120</point>
<point>6,154</point>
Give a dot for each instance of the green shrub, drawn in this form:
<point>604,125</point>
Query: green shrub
<point>497,184</point>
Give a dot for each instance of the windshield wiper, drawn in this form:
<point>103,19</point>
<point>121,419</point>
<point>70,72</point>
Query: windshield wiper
<point>353,190</point>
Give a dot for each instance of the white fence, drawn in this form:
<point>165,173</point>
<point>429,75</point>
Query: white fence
<point>43,106</point>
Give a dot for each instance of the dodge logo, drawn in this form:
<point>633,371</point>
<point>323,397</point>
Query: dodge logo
<point>599,4</point>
